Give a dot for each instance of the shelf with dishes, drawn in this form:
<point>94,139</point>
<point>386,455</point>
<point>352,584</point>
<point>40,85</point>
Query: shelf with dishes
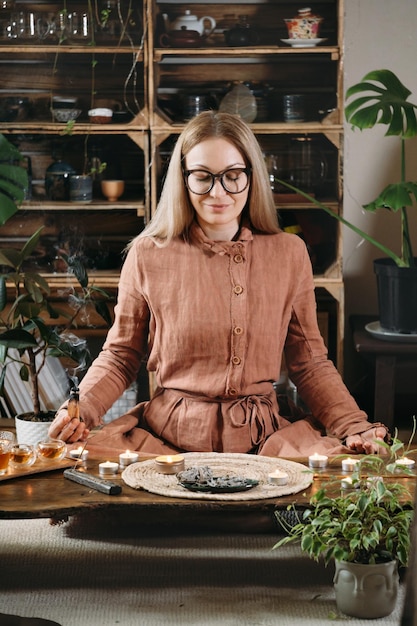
<point>38,91</point>
<point>284,94</point>
<point>61,166</point>
<point>247,23</point>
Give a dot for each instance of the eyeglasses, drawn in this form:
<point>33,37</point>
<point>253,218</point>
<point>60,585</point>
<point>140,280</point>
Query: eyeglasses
<point>200,182</point>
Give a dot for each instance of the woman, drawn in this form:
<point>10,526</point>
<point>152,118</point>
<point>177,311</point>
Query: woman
<point>214,293</point>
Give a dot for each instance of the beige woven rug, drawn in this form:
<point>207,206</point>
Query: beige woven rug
<point>144,475</point>
<point>88,574</point>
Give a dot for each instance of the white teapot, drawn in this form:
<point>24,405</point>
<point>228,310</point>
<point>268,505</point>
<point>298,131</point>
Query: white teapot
<point>204,26</point>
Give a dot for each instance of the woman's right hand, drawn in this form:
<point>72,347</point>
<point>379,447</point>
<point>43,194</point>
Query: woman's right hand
<point>67,429</point>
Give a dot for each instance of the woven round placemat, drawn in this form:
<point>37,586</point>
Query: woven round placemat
<point>144,475</point>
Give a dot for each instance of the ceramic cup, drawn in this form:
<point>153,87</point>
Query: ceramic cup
<point>51,450</point>
<point>22,455</point>
<point>112,189</point>
<point>305,25</point>
<point>81,188</point>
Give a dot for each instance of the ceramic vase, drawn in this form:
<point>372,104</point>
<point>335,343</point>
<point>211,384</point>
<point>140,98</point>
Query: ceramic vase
<point>366,591</point>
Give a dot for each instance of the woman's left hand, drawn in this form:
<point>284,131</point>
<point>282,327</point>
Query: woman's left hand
<point>366,443</point>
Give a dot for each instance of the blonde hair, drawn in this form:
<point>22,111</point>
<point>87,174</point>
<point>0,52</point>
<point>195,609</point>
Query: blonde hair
<point>175,213</point>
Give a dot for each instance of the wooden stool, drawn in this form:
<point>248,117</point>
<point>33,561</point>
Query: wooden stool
<point>386,356</point>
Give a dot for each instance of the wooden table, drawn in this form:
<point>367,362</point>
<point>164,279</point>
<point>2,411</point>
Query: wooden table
<point>386,355</point>
<point>50,495</point>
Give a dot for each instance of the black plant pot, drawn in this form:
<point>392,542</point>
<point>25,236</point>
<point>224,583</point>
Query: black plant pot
<point>397,296</point>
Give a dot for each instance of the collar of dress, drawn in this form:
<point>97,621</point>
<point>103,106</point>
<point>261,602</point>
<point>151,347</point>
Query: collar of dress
<point>198,237</point>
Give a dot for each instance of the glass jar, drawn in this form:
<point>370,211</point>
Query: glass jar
<point>307,164</point>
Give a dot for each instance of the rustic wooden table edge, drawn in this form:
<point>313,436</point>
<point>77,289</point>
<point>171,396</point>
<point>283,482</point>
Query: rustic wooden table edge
<point>50,495</point>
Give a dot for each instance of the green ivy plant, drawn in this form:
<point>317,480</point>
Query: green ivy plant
<point>381,98</point>
<point>24,317</point>
<point>369,523</point>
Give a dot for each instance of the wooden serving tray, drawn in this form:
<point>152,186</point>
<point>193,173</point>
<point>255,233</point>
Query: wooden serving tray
<point>37,468</point>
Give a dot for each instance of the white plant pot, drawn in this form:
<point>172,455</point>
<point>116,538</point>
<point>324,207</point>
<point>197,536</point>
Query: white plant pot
<point>366,591</point>
<point>31,432</point>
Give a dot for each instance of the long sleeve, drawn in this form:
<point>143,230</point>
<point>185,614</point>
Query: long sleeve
<point>117,365</point>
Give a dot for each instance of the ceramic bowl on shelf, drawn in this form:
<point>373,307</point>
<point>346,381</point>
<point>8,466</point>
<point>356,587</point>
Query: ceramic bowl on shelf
<point>64,102</point>
<point>112,189</point>
<point>100,115</point>
<point>65,115</point>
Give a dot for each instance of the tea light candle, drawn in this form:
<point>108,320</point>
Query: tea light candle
<point>405,463</point>
<point>349,465</point>
<point>79,454</point>
<point>170,464</point>
<point>347,483</point>
<point>318,460</point>
<point>108,468</point>
<point>128,457</point>
<point>278,477</point>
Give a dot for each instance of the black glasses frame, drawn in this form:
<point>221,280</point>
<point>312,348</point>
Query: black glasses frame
<point>246,170</point>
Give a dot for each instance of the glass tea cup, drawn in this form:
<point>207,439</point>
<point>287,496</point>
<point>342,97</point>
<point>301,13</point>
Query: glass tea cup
<point>51,449</point>
<point>7,439</point>
<point>22,455</point>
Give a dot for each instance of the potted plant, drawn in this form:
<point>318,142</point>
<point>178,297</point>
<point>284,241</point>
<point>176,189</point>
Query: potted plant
<point>364,529</point>
<point>381,98</point>
<point>27,338</point>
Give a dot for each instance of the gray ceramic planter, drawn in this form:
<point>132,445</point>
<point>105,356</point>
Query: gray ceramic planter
<point>366,591</point>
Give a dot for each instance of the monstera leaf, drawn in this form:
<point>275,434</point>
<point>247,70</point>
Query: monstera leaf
<point>383,99</point>
<point>13,180</point>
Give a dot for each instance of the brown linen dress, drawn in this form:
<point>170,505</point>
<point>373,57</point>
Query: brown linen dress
<point>215,318</point>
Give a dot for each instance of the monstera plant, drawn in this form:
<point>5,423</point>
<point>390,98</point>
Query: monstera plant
<point>381,98</point>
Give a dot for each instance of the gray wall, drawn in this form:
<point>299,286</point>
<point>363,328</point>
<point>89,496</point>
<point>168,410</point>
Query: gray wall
<point>379,34</point>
